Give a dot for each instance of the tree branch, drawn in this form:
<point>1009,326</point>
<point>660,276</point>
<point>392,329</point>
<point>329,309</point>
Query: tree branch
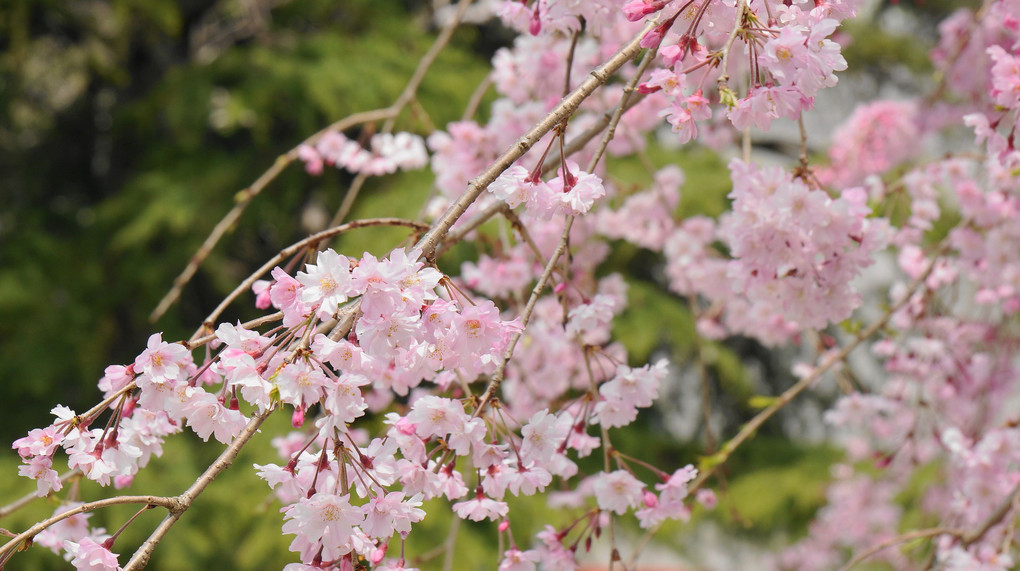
<point>564,109</point>
<point>184,501</point>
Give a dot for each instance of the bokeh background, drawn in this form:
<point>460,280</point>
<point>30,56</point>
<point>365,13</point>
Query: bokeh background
<point>128,126</point>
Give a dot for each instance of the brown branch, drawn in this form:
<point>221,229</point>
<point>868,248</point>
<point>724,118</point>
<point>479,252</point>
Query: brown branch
<point>579,141</point>
<point>993,518</point>
<point>800,386</point>
<point>909,536</point>
<point>182,502</point>
<point>564,109</point>
<point>406,97</point>
<point>31,532</point>
<point>966,538</point>
<point>575,144</point>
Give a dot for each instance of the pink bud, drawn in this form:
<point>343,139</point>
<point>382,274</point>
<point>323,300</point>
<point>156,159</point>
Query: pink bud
<point>646,89</point>
<point>405,426</point>
<point>129,407</point>
<point>637,9</point>
<point>379,553</point>
<point>654,36</point>
<point>298,418</point>
<point>504,525</point>
<point>560,287</point>
<point>671,54</point>
<point>707,498</point>
<point>121,482</point>
<point>650,499</point>
<point>883,460</point>
<point>652,39</point>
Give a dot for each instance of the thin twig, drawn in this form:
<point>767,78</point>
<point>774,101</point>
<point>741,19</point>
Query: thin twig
<point>497,377</point>
<point>751,427</point>
<point>579,141</point>
<point>27,498</point>
<point>564,109</point>
<point>349,197</point>
<point>406,97</point>
<point>724,76</point>
<point>909,536</point>
<point>451,540</point>
<point>476,98</point>
<point>621,107</point>
<point>244,197</point>
<point>426,62</point>
<point>993,518</point>
<point>966,538</point>
<point>246,325</point>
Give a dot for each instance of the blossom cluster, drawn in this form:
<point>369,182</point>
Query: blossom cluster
<point>407,384</point>
<point>386,153</point>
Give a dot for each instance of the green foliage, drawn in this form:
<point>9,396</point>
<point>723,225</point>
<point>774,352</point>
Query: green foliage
<point>876,50</point>
<point>775,484</point>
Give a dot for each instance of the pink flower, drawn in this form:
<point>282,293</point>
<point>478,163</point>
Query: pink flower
<point>577,190</point>
<point>40,468</point>
<point>261,290</point>
<point>300,383</point>
<point>542,436</point>
<point>681,121</point>
<point>115,378</point>
<point>385,514</point>
<point>706,497</point>
<point>162,361</point>
<point>481,507</point>
<point>517,560</point>
<point>39,442</point>
<point>324,520</point>
<point>513,186</point>
<point>327,283</point>
<point>618,491</point>
<point>206,416</point>
<point>91,556</point>
<point>312,160</point>
<point>436,416</point>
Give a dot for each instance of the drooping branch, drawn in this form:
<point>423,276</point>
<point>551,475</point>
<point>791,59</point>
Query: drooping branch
<point>564,109</point>
<point>182,502</point>
<point>244,198</point>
